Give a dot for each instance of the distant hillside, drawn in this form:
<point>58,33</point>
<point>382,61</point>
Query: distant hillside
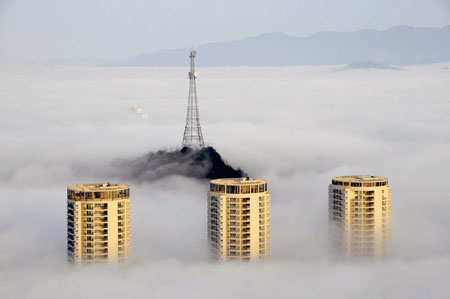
<point>400,45</point>
<point>370,65</point>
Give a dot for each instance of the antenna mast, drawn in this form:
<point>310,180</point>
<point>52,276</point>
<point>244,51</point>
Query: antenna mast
<point>193,132</point>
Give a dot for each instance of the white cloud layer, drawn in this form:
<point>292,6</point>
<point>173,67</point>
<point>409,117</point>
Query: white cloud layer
<point>296,127</point>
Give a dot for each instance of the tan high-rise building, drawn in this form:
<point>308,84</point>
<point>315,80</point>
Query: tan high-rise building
<point>360,216</point>
<point>98,223</point>
<point>239,219</point>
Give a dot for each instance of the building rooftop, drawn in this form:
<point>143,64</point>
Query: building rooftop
<point>238,181</point>
<point>359,178</point>
<point>98,187</point>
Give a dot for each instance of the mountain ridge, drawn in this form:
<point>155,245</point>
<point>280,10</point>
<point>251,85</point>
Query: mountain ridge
<point>399,45</point>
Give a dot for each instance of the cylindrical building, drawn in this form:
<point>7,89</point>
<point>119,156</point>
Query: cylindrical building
<point>239,219</point>
<point>360,216</point>
<point>98,223</point>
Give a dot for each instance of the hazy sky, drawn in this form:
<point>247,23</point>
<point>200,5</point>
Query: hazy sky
<point>107,29</point>
<point>294,126</point>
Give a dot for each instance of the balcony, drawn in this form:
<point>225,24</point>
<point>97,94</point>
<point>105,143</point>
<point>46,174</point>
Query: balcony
<point>102,219</point>
<point>100,225</point>
<point>101,213</point>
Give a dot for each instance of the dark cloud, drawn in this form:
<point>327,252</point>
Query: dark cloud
<point>199,163</point>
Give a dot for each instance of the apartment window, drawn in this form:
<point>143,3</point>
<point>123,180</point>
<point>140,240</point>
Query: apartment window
<point>261,188</point>
<point>217,188</point>
<point>245,189</point>
<point>233,189</point>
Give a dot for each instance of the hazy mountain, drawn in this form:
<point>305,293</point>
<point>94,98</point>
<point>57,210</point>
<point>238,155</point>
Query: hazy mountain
<point>400,45</point>
<point>369,65</point>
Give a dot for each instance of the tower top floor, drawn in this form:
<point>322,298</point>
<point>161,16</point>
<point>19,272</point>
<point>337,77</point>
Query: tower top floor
<point>360,181</point>
<point>244,185</point>
<point>101,191</point>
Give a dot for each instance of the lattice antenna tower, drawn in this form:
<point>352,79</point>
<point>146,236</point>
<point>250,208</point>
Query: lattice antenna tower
<point>193,132</point>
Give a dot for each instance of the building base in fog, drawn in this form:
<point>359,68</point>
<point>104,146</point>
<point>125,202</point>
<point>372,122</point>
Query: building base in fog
<point>239,219</point>
<point>360,216</point>
<point>98,223</point>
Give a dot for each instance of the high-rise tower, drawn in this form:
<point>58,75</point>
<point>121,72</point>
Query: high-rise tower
<point>98,223</point>
<point>193,132</point>
<point>360,216</point>
<point>239,219</point>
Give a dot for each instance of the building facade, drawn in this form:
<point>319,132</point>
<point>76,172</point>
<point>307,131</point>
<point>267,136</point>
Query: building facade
<point>98,223</point>
<point>239,219</point>
<point>360,216</point>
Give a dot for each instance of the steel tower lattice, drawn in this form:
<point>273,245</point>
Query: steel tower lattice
<point>193,132</point>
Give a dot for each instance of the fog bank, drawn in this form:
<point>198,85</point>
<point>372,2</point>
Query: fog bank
<point>296,127</point>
